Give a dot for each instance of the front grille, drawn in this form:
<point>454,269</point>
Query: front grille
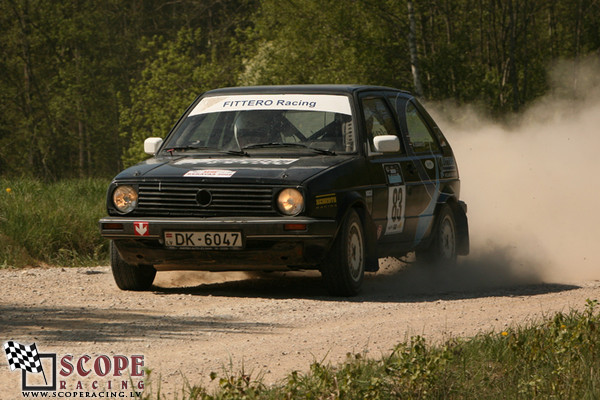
<point>181,199</point>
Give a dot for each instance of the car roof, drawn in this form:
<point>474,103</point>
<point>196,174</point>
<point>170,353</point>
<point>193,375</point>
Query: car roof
<point>305,89</point>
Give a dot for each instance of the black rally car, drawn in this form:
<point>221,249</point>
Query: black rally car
<point>327,177</point>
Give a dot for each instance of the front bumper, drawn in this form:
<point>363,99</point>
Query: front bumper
<point>268,243</point>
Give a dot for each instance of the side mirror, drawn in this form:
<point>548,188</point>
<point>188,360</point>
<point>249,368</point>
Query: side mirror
<point>386,144</point>
<point>152,144</point>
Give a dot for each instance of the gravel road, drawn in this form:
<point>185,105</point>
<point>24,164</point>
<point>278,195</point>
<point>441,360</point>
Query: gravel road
<point>194,323</point>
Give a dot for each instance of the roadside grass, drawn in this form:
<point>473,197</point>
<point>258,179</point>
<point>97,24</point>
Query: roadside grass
<point>52,223</point>
<point>556,358</point>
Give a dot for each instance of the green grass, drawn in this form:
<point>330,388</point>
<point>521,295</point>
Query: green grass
<point>52,223</point>
<point>558,358</point>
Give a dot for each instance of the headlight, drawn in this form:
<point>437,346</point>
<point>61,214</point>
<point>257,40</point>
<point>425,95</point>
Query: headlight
<point>290,201</point>
<point>125,198</point>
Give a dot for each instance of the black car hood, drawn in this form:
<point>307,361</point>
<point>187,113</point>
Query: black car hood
<point>233,169</point>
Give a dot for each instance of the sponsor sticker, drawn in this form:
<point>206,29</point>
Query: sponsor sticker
<point>328,103</point>
<point>449,162</point>
<point>210,173</point>
<point>326,200</point>
<point>393,173</point>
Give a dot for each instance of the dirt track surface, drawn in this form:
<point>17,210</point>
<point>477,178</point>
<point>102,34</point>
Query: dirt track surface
<point>195,323</point>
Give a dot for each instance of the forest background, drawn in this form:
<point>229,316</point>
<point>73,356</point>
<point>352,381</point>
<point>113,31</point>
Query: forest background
<point>83,82</point>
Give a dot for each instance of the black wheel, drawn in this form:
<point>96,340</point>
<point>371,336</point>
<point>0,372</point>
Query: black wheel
<point>442,250</point>
<point>130,277</point>
<point>345,268</point>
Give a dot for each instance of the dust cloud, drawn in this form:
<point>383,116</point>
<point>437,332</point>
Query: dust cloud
<point>179,279</point>
<point>531,184</point>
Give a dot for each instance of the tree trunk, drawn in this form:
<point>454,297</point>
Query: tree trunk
<point>514,77</point>
<point>412,46</point>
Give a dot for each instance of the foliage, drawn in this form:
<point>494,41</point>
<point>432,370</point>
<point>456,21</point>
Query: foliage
<point>175,72</point>
<point>166,87</point>
<point>557,358</point>
<point>328,42</point>
<point>85,82</point>
<point>55,223</point>
<point>59,77</point>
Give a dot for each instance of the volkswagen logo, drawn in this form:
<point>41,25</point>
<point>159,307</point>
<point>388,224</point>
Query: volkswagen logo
<point>203,198</point>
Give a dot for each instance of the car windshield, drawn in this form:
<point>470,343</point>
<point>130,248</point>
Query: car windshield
<point>319,124</point>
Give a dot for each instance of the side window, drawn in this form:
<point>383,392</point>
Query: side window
<point>378,118</point>
<point>419,135</point>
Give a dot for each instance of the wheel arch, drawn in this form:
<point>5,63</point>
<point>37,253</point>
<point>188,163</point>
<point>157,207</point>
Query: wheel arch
<point>354,201</point>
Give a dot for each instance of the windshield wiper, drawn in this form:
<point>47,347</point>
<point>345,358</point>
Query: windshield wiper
<point>278,144</point>
<point>194,147</point>
<point>235,152</point>
<point>182,148</point>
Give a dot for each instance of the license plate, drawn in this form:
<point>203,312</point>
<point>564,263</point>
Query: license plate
<point>204,240</point>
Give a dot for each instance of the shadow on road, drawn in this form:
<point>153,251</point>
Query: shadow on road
<point>64,324</point>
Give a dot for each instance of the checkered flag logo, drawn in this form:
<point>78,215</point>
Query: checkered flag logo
<point>23,357</point>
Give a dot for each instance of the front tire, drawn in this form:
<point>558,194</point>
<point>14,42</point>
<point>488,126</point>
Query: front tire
<point>443,246</point>
<point>345,268</point>
<point>130,277</point>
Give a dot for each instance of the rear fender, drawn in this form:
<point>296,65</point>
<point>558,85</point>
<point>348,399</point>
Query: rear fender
<point>459,209</point>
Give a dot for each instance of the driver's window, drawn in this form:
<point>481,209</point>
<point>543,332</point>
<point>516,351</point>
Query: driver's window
<point>307,122</point>
<point>324,130</point>
<point>378,118</point>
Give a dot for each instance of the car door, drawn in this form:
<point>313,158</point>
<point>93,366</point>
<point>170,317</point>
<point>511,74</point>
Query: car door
<point>423,180</point>
<point>390,173</point>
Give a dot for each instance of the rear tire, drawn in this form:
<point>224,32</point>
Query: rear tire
<point>345,267</point>
<point>443,246</point>
<point>130,277</point>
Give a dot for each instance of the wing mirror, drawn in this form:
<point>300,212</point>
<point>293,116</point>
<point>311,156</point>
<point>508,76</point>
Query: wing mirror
<point>386,144</point>
<point>152,144</point>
